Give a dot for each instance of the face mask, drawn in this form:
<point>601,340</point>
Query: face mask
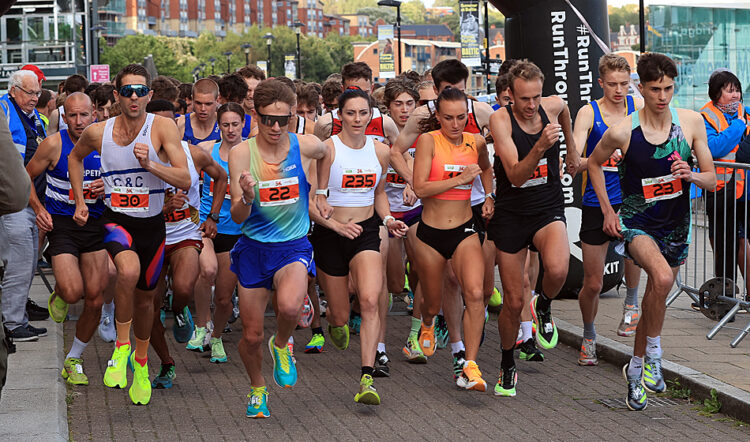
<point>729,108</point>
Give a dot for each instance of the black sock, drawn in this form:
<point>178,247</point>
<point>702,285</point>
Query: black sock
<point>507,359</point>
<point>367,370</point>
<point>543,303</point>
<point>317,331</point>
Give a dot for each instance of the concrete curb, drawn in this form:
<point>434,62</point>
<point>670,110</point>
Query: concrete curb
<point>735,402</point>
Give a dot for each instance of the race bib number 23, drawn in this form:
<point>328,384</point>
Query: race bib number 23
<point>661,188</point>
<point>129,199</point>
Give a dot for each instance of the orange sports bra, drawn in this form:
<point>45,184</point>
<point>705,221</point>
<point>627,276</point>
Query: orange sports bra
<point>449,161</point>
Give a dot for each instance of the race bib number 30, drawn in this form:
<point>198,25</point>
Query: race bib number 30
<point>539,177</point>
<point>661,188</point>
<point>358,180</point>
<point>129,199</point>
<point>454,170</point>
<point>279,192</point>
<point>393,179</point>
<point>88,194</point>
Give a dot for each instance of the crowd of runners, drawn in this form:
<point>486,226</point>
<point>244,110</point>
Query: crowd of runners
<point>232,192</point>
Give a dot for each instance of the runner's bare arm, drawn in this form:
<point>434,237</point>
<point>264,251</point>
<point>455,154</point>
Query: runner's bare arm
<point>584,123</point>
<point>309,127</point>
<point>181,125</point>
<point>390,129</point>
<point>89,141</point>
<point>45,157</point>
<point>324,126</point>
<point>706,178</point>
<point>322,176</point>
<point>573,157</point>
<point>177,173</point>
<point>239,169</point>
<point>486,176</point>
<point>204,162</point>
<point>54,122</point>
<point>517,171</point>
<point>382,206</point>
<point>404,141</point>
<point>482,112</point>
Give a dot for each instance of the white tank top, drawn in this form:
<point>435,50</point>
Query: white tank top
<point>129,189</point>
<point>394,189</point>
<point>183,223</point>
<point>61,124</point>
<point>477,191</point>
<point>355,173</point>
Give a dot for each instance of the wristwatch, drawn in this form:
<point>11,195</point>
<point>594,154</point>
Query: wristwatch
<point>214,216</point>
<point>325,192</point>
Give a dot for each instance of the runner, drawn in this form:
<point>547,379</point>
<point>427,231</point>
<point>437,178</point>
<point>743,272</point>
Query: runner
<point>75,250</point>
<point>201,124</point>
<point>270,197</point>
<point>308,101</point>
<point>591,122</point>
<point>72,84</point>
<point>445,165</point>
<point>214,258</point>
<point>530,207</point>
<point>252,75</point>
<point>349,241</point>
<point>134,181</point>
<point>654,219</point>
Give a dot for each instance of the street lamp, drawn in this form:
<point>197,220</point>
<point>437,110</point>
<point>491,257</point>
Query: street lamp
<point>269,39</point>
<point>228,54</point>
<point>97,30</point>
<point>213,61</point>
<point>395,4</point>
<point>298,31</point>
<point>246,47</point>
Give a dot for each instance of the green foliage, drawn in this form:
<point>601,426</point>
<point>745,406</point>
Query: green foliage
<point>347,6</point>
<point>675,390</point>
<point>413,11</point>
<point>374,13</point>
<point>712,405</point>
<point>170,55</point>
<point>625,15</point>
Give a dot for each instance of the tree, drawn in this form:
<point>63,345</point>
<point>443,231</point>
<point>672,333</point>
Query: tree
<point>622,16</point>
<point>414,11</point>
<point>388,15</point>
<point>347,6</point>
<point>134,48</point>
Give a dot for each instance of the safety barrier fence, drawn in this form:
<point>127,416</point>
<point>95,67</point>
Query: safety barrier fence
<point>715,273</point>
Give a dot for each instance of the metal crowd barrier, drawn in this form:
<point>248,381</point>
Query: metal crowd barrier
<point>715,274</point>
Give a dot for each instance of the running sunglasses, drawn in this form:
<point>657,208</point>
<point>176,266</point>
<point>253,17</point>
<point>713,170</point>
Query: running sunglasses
<point>270,120</point>
<point>141,90</point>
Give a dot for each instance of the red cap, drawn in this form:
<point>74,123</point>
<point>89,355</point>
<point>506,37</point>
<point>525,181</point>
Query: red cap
<point>36,70</point>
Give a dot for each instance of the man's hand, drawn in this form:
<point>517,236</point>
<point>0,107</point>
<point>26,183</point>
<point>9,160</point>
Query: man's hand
<point>140,150</point>
<point>247,184</point>
<point>550,136</point>
<point>97,188</point>
<point>681,169</point>
<point>410,198</point>
<point>208,228</point>
<point>44,220</point>
<point>572,163</point>
<point>612,225</point>
<point>349,230</point>
<point>397,228</point>
<point>325,209</point>
<point>81,215</point>
<point>488,208</point>
<point>469,173</point>
<point>176,201</point>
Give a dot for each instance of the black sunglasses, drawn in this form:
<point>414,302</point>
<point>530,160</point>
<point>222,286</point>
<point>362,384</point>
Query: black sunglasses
<point>422,102</point>
<point>270,120</point>
<point>141,90</point>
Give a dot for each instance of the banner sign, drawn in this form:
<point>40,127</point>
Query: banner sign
<point>99,73</point>
<point>263,66</point>
<point>290,67</point>
<point>470,37</point>
<point>385,49</point>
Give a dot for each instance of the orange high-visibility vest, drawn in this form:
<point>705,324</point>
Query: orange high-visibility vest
<point>718,121</point>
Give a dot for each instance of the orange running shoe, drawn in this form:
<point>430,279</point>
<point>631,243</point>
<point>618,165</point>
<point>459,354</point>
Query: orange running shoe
<point>427,339</point>
<point>471,378</point>
<point>629,322</point>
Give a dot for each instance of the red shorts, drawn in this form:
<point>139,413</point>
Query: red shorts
<point>171,248</point>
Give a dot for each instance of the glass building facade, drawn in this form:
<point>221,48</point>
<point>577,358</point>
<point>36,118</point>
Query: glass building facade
<point>701,39</point>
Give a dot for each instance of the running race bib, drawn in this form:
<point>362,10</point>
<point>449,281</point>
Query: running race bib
<point>610,165</point>
<point>129,199</point>
<point>661,188</point>
<point>539,176</point>
<point>454,170</point>
<point>393,179</point>
<point>227,196</point>
<point>177,215</point>
<point>358,180</point>
<point>88,194</point>
<point>279,192</point>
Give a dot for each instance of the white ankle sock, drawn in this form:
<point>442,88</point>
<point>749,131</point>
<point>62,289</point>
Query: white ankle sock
<point>381,347</point>
<point>77,349</point>
<point>457,346</point>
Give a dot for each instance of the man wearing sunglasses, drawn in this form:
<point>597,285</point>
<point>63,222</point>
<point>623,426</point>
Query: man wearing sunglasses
<point>134,148</point>
<point>200,125</point>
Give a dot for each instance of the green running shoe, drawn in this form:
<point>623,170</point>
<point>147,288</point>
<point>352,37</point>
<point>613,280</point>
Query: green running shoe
<point>339,336</point>
<point>529,351</point>
<point>115,375</point>
<point>653,379</point>
<point>199,340</point>
<point>316,344</point>
<point>496,299</point>
<point>257,406</point>
<point>506,385</point>
<point>218,355</point>
<point>58,309</point>
<point>165,377</point>
<point>413,351</point>
<point>636,399</point>
<point>73,373</point>
<point>367,393</point>
<point>546,330</point>
<point>140,390</point>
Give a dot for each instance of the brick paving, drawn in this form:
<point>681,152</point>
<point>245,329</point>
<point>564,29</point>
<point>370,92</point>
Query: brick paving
<point>556,400</point>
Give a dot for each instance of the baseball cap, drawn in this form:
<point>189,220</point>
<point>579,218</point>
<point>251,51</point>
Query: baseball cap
<point>36,70</point>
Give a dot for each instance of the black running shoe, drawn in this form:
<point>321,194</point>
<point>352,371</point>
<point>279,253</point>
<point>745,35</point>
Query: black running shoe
<point>36,312</point>
<point>546,330</point>
<point>381,369</point>
<point>530,352</point>
<point>506,385</point>
<point>459,358</point>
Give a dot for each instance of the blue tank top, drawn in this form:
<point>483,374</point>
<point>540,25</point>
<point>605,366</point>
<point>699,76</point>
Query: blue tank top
<point>611,178</point>
<point>248,127</point>
<point>225,225</point>
<point>279,211</point>
<point>215,135</point>
<point>58,198</point>
<point>652,200</point>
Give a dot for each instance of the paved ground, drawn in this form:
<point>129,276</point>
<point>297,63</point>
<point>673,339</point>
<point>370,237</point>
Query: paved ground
<point>557,400</point>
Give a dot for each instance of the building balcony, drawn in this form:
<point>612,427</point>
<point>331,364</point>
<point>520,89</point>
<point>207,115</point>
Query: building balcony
<point>47,54</point>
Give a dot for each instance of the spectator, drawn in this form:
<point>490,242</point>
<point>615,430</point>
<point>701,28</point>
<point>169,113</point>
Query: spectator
<point>19,235</point>
<point>74,83</point>
<point>15,187</point>
<point>103,99</point>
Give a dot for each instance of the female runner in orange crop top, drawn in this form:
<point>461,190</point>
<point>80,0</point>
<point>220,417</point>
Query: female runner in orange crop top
<point>446,163</point>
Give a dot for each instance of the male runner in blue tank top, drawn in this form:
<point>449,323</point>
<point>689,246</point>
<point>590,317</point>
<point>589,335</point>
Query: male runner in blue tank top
<point>654,219</point>
<point>270,197</point>
<point>76,250</point>
<point>591,123</point>
<point>200,126</point>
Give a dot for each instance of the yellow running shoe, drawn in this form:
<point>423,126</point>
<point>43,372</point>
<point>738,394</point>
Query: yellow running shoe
<point>73,373</point>
<point>115,375</point>
<point>57,308</point>
<point>367,393</point>
<point>140,391</point>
